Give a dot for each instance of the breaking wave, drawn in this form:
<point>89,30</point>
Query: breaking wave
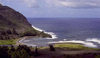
<point>54,36</point>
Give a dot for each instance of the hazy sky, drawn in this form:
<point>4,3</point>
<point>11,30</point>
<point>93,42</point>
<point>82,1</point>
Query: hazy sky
<point>56,8</point>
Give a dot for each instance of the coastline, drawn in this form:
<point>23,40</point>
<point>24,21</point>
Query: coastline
<point>19,42</point>
<point>54,43</point>
<point>84,43</point>
<point>54,36</point>
<point>23,38</point>
<point>88,44</point>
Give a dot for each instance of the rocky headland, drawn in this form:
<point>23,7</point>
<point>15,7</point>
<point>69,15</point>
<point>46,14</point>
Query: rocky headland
<point>15,25</point>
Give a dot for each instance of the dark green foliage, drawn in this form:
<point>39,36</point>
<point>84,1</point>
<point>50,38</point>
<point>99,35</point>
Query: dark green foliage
<point>12,48</point>
<point>23,51</point>
<point>36,52</point>
<point>18,52</point>
<point>97,56</point>
<point>4,52</point>
<point>51,47</point>
<point>30,33</point>
<point>8,34</point>
<point>27,49</point>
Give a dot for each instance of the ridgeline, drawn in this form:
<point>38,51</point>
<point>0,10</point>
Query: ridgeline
<point>14,25</point>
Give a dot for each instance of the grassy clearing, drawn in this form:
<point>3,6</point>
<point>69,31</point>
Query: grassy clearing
<point>71,46</point>
<point>74,46</point>
<point>43,47</point>
<point>8,42</point>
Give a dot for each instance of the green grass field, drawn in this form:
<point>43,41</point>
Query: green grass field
<point>74,46</point>
<point>8,42</point>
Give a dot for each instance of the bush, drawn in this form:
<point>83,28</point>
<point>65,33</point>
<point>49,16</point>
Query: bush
<point>51,47</point>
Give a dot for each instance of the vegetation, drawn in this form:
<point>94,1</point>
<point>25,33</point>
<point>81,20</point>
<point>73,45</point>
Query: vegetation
<point>36,52</point>
<point>14,25</point>
<point>23,51</point>
<point>74,46</point>
<point>19,52</point>
<point>51,47</point>
<point>8,42</point>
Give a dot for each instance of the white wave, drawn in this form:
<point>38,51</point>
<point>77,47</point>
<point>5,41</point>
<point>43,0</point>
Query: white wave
<point>37,28</point>
<point>94,40</point>
<point>87,44</point>
<point>51,33</point>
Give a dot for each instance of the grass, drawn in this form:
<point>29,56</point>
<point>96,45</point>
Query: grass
<point>74,46</point>
<point>43,47</point>
<point>71,46</point>
<point>8,42</point>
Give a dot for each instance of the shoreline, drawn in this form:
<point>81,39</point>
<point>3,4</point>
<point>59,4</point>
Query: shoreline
<point>54,36</point>
<point>84,43</point>
<point>54,43</point>
<point>26,37</point>
<point>23,38</point>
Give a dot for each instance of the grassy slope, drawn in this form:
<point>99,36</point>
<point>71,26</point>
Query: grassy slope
<point>8,42</point>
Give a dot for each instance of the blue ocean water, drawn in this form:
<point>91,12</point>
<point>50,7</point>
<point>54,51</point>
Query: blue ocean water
<point>67,29</point>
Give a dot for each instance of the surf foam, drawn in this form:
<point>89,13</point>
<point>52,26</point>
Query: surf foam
<point>51,33</point>
<point>93,40</point>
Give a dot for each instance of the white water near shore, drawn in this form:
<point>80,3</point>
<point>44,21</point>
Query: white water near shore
<point>88,42</point>
<point>51,33</point>
<point>33,45</point>
<point>96,40</point>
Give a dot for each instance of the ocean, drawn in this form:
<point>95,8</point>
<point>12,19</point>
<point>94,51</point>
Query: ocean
<point>77,30</point>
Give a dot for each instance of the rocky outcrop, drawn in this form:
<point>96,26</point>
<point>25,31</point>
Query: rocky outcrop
<point>14,25</point>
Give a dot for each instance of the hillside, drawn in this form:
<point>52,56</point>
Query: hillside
<point>14,25</point>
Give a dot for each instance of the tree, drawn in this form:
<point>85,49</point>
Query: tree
<point>36,53</point>
<point>51,47</point>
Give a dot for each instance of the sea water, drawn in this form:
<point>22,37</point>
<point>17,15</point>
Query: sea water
<point>77,30</point>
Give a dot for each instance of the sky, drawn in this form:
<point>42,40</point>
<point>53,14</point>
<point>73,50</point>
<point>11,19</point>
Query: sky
<point>56,8</point>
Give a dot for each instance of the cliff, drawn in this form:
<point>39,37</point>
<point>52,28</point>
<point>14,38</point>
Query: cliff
<point>14,25</point>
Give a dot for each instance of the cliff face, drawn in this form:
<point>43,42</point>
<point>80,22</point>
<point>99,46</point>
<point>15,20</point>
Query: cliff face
<point>13,25</point>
